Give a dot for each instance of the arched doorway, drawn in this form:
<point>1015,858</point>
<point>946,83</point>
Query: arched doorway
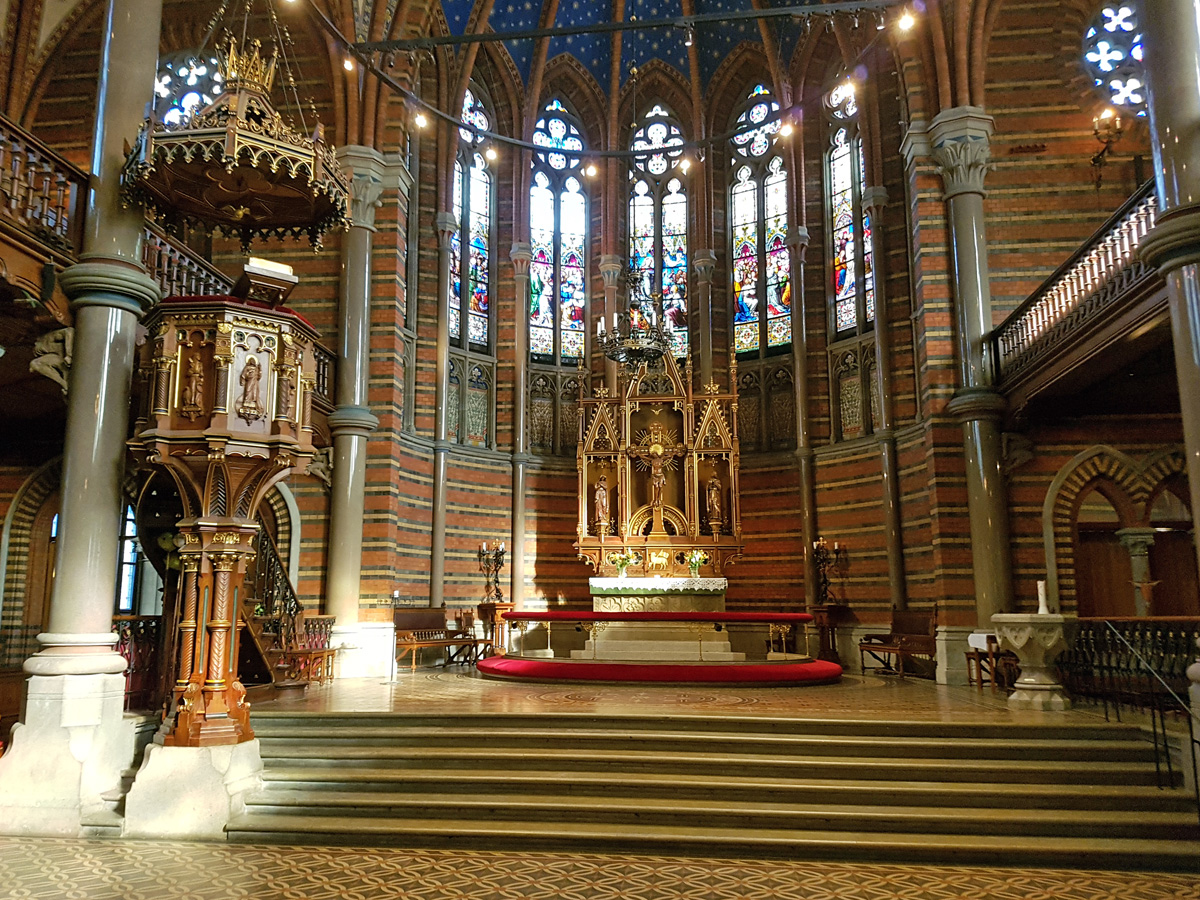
<point>1103,571</point>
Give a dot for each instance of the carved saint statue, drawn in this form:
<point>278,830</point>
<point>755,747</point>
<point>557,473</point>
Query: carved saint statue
<point>249,406</point>
<point>601,499</point>
<point>658,480</point>
<point>52,356</point>
<point>714,501</point>
<point>193,388</point>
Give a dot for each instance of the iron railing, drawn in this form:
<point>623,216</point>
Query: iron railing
<point>276,605</point>
<point>1103,269</point>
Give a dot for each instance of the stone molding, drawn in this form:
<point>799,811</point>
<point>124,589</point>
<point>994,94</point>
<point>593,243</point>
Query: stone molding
<point>355,420</point>
<point>798,237</point>
<point>973,404</point>
<point>101,281</point>
<point>1174,241</point>
<point>915,143</point>
<point>611,267</point>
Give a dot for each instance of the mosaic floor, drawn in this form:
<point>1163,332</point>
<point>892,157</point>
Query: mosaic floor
<point>64,869</point>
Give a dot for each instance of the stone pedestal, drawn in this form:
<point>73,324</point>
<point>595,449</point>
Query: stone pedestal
<point>365,650</point>
<point>1037,639</point>
<point>68,754</point>
<point>191,792</point>
<point>952,647</point>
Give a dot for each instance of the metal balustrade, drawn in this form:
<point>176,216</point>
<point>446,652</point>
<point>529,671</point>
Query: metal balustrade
<point>1098,273</point>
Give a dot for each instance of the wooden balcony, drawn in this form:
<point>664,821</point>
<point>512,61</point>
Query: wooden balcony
<point>1097,314</point>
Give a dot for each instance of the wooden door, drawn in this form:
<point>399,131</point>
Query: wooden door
<point>1103,574</point>
<point>1173,566</point>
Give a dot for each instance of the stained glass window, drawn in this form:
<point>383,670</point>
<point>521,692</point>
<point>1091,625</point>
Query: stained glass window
<point>1113,56</point>
<point>558,237</point>
<point>186,83</point>
<point>761,270</point>
<point>851,262</point>
<point>658,218</point>
<point>471,243</point>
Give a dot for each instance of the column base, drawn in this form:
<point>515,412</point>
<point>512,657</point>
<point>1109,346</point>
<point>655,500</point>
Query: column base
<point>1048,697</point>
<point>68,754</point>
<point>952,646</point>
<point>191,792</point>
<point>367,650</point>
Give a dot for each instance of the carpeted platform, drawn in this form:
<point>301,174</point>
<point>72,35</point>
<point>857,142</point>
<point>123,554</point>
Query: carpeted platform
<point>765,674</point>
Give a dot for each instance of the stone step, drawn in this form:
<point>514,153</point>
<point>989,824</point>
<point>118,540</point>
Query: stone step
<point>731,766</point>
<point>517,835</point>
<point>331,724</point>
<point>718,811</point>
<point>285,741</point>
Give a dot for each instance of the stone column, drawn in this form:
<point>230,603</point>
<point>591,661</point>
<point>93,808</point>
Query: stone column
<point>705,261</point>
<point>447,224</point>
<point>611,268</point>
<point>73,743</point>
<point>797,242</point>
<point>1138,542</point>
<point>1172,44</point>
<point>874,199</point>
<point>521,254</point>
<point>959,141</point>
<point>351,421</point>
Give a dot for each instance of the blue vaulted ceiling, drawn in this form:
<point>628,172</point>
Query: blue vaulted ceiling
<point>714,39</point>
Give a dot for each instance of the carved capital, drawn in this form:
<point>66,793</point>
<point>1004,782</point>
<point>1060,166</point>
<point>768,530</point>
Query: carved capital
<point>875,198</point>
<point>370,174</point>
<point>446,224</point>
<point>797,238</point>
<point>705,262</point>
<point>973,404</point>
<point>521,254</point>
<point>611,267</point>
<point>960,144</point>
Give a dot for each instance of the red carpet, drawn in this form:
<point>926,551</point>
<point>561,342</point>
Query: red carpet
<point>775,674</point>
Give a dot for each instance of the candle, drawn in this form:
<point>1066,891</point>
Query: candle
<point>502,546</point>
<point>483,547</point>
<point>835,546</point>
<point>1043,606</point>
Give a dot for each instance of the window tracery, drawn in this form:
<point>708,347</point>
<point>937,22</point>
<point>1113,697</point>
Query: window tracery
<point>186,82</point>
<point>1113,56</point>
<point>658,217</point>
<point>557,229</point>
<point>758,219</point>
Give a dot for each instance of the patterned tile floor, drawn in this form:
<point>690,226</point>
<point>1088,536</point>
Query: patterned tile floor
<point>66,869</point>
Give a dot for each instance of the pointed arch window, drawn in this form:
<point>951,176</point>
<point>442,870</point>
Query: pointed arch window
<point>658,220</point>
<point>471,243</point>
<point>558,237</point>
<point>761,270</point>
<point>852,286</point>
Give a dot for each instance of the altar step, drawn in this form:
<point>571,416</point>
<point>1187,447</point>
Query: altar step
<point>1053,795</point>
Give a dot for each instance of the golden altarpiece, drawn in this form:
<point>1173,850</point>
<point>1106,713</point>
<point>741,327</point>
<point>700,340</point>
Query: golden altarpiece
<point>658,474</point>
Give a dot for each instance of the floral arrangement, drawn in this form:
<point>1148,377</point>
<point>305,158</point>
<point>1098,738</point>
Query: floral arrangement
<point>622,560</point>
<point>695,558</point>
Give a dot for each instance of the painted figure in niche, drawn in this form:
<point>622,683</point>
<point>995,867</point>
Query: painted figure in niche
<point>193,388</point>
<point>249,406</point>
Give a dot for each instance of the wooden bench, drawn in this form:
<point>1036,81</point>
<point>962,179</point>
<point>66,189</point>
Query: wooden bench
<point>913,635</point>
<point>417,629</point>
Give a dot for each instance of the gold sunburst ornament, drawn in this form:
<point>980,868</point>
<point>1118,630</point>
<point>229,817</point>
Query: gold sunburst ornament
<point>236,166</point>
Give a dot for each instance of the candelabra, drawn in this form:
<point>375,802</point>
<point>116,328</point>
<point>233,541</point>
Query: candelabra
<point>825,560</point>
<point>491,561</point>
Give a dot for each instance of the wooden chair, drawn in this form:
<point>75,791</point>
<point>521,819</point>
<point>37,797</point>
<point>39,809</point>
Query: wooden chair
<point>992,666</point>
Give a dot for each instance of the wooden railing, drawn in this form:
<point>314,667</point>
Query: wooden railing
<point>323,390</point>
<point>40,192</point>
<point>1101,271</point>
<point>138,640</point>
<point>179,271</point>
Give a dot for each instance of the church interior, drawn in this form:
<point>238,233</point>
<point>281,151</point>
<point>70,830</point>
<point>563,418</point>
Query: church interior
<point>417,412</point>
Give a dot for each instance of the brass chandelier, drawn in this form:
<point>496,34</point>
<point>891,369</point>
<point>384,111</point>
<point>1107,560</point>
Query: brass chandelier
<point>637,336</point>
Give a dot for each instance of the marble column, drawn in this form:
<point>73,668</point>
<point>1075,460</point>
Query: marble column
<point>73,742</point>
<point>611,269</point>
<point>705,261</point>
<point>960,145</point>
<point>874,199</point>
<point>1138,542</point>
<point>797,242</point>
<point>521,254</point>
<point>1171,32</point>
<point>352,421</point>
<point>447,225</point>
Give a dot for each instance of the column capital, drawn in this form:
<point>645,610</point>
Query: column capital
<point>797,237</point>
<point>446,224</point>
<point>1174,241</point>
<point>611,267</point>
<point>521,254</point>
<point>973,404</point>
<point>355,420</point>
<point>960,141</point>
<point>875,198</point>
<point>102,281</point>
<point>1136,540</point>
<point>371,173</point>
<point>705,262</point>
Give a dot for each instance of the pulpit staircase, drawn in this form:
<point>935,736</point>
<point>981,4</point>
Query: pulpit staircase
<point>1066,794</point>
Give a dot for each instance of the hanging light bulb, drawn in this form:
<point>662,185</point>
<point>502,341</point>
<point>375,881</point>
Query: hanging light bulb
<point>419,120</point>
<point>786,130</point>
<point>906,21</point>
<point>348,64</point>
<point>590,171</point>
<point>689,36</point>
<point>490,153</point>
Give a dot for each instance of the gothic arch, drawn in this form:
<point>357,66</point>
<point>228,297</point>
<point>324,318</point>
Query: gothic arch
<point>565,75</point>
<point>656,80</point>
<point>15,542</point>
<point>1129,485</point>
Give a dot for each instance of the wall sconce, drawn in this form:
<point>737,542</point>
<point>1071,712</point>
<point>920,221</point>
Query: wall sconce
<point>1108,130</point>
